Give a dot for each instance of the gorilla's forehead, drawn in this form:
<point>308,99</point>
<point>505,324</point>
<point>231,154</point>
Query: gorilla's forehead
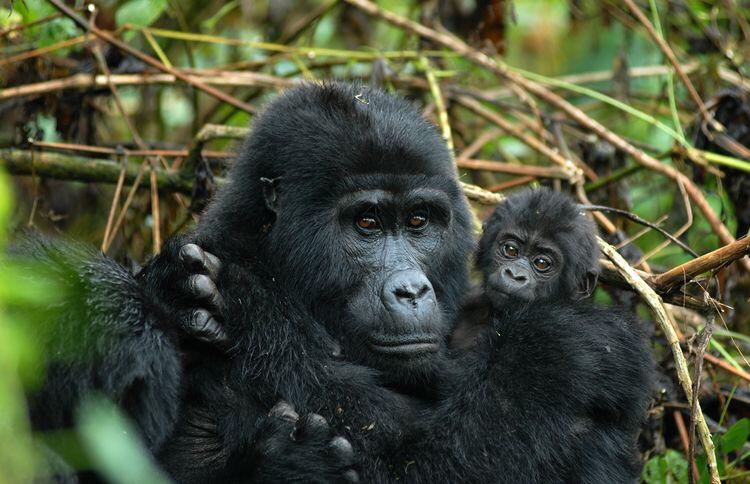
<point>395,199</point>
<point>396,186</point>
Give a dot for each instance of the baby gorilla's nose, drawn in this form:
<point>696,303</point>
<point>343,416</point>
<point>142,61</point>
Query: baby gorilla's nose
<point>408,293</point>
<point>518,276</point>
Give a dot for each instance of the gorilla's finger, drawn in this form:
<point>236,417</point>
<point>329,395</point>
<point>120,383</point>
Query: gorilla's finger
<point>193,257</point>
<point>343,451</point>
<point>197,260</point>
<point>212,264</point>
<point>201,325</point>
<point>351,476</point>
<point>284,411</point>
<point>204,289</point>
<point>312,426</point>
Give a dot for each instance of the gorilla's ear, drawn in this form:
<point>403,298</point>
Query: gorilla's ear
<point>271,192</point>
<point>586,286</point>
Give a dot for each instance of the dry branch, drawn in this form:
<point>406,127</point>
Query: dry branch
<point>705,263</point>
<point>66,167</point>
<point>513,169</point>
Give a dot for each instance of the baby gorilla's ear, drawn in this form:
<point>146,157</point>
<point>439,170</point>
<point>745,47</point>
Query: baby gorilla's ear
<point>586,286</point>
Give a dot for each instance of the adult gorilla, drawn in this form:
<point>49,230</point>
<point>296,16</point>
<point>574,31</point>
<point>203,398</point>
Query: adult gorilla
<point>344,238</point>
<point>343,225</point>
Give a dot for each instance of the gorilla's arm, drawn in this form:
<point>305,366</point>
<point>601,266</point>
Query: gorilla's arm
<point>278,352</point>
<point>101,337</point>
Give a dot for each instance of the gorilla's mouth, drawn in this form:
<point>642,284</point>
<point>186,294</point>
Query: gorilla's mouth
<point>405,346</point>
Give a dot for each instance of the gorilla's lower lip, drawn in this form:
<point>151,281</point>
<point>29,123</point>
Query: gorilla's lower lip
<point>405,346</point>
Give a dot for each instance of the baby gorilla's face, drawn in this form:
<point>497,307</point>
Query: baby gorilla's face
<point>525,266</point>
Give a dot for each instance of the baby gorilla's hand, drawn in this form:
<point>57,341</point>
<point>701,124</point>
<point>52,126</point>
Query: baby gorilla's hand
<point>291,448</point>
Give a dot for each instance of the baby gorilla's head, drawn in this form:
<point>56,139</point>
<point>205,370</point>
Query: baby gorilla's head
<point>537,245</point>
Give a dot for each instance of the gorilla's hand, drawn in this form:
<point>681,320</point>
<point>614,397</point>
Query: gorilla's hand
<point>181,283</point>
<point>291,448</point>
<point>203,322</point>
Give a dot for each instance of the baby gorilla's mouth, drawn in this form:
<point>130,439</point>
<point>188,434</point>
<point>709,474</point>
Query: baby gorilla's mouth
<point>405,346</point>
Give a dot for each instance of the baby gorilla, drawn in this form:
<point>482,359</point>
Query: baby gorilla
<point>536,247</point>
<point>567,379</point>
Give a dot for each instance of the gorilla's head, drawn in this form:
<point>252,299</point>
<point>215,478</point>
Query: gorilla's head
<point>350,199</point>
<point>538,246</point>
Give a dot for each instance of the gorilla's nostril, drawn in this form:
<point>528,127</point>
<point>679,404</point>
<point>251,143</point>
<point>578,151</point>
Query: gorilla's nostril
<point>404,293</point>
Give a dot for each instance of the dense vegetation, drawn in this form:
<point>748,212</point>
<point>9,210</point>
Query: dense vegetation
<point>118,135</point>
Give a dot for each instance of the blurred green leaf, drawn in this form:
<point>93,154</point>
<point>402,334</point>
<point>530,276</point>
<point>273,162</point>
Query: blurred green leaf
<point>113,445</point>
<point>735,436</point>
<point>176,108</point>
<point>140,12</point>
<point>6,200</point>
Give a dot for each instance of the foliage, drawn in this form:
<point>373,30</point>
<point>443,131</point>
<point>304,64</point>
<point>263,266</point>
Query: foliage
<point>594,54</point>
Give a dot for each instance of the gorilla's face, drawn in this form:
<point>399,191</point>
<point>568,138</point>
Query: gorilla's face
<point>525,266</point>
<point>351,198</point>
<point>380,265</point>
<point>392,240</point>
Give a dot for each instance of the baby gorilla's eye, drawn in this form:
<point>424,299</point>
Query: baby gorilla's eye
<point>542,264</point>
<point>417,220</point>
<point>367,223</point>
<point>510,250</point>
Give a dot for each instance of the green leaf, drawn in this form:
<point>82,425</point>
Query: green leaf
<point>735,436</point>
<point>667,468</point>
<point>113,445</point>
<point>140,12</point>
<point>6,199</point>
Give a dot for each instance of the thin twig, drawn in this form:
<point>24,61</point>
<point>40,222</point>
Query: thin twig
<point>682,430</point>
<point>115,199</point>
<point>156,224</point>
<point>437,95</point>
<point>705,338</point>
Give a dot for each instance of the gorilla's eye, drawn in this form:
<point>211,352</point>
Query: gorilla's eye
<point>510,250</point>
<point>417,220</point>
<point>367,223</point>
<point>542,264</point>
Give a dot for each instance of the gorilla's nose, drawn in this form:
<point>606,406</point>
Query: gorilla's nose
<point>408,292</point>
<point>518,276</point>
